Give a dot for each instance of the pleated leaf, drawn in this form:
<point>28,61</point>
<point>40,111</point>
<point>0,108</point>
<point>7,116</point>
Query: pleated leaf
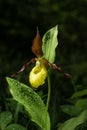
<point>31,101</point>
<point>5,119</point>
<point>15,127</point>
<point>72,123</point>
<point>79,93</point>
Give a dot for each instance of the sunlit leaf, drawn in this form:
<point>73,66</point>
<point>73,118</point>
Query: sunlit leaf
<point>31,101</point>
<point>5,119</point>
<point>50,43</point>
<point>72,123</point>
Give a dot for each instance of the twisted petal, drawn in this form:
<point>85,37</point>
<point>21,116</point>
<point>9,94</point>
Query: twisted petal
<point>37,76</point>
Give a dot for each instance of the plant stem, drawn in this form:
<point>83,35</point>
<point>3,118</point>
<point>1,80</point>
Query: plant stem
<point>49,91</point>
<point>48,98</point>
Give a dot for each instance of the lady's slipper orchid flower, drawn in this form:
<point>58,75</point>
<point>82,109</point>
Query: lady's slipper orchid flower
<point>39,73</point>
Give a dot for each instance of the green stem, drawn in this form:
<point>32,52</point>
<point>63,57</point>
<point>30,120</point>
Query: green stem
<point>48,98</point>
<point>49,91</point>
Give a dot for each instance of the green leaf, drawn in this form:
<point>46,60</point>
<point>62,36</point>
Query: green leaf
<point>79,93</point>
<point>50,43</point>
<point>5,119</point>
<point>71,110</point>
<point>81,103</point>
<point>31,101</point>
<point>15,127</point>
<point>72,123</point>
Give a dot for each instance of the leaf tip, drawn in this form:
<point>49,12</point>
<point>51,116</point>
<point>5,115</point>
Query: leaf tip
<point>7,78</point>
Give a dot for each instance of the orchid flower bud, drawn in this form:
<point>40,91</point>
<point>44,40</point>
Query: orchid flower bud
<point>38,75</point>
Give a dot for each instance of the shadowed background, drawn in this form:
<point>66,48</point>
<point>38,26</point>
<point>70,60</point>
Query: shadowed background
<point>18,22</point>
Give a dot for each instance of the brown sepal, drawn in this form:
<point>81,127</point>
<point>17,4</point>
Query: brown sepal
<point>37,45</point>
<point>54,66</point>
<point>24,67</point>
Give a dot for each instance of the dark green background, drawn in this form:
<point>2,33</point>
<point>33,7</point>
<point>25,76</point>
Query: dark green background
<point>18,22</point>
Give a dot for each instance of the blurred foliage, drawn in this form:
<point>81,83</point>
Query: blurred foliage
<point>18,22</point>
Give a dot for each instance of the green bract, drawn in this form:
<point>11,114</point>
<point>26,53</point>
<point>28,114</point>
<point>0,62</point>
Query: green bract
<point>50,43</point>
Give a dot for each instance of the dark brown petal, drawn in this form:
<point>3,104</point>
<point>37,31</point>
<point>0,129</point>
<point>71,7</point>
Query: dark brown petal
<point>37,45</point>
